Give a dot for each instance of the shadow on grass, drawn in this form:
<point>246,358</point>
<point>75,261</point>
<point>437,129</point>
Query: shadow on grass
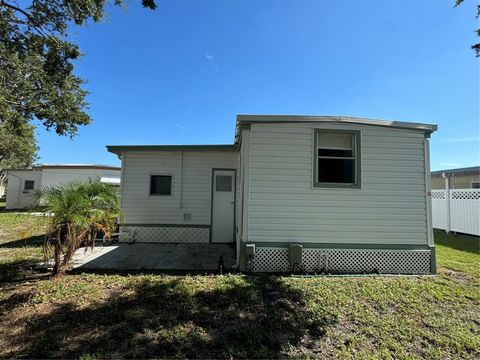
<point>18,271</point>
<point>469,244</point>
<point>166,319</point>
<point>36,240</point>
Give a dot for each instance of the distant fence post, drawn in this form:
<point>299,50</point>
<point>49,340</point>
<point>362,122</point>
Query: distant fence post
<point>447,204</point>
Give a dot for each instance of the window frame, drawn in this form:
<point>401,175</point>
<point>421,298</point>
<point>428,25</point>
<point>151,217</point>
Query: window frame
<point>474,182</point>
<point>149,190</point>
<point>25,185</point>
<point>357,160</point>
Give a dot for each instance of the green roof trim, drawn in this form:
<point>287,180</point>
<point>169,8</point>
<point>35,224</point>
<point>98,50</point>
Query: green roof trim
<point>118,149</point>
<point>245,120</point>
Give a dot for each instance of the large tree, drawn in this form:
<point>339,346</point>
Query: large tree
<point>476,46</point>
<point>37,80</point>
<point>18,148</point>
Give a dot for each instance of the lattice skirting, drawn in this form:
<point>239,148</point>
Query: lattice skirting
<point>166,234</point>
<point>345,261</point>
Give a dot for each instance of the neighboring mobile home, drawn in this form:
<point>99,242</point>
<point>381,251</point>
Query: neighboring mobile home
<point>22,183</point>
<point>306,193</point>
<point>461,178</point>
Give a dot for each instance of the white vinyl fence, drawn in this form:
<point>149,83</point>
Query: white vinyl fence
<point>456,210</point>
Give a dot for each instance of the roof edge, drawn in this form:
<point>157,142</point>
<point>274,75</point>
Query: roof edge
<point>118,149</point>
<point>249,119</point>
<point>65,166</point>
<point>474,169</point>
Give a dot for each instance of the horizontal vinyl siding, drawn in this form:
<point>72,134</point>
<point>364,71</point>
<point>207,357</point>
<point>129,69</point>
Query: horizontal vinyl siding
<point>284,206</point>
<point>191,193</point>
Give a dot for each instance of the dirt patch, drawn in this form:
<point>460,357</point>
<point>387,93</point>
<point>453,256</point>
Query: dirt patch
<point>458,276</point>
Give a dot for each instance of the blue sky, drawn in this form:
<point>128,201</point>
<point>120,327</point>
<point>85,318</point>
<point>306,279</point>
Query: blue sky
<point>180,74</point>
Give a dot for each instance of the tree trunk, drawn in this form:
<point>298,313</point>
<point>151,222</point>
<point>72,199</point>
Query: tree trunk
<point>57,268</point>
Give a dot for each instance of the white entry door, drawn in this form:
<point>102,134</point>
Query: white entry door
<point>223,206</point>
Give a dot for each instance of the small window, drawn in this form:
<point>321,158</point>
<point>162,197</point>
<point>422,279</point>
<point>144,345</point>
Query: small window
<point>223,183</point>
<point>475,184</point>
<point>29,185</point>
<point>336,158</point>
<point>160,185</point>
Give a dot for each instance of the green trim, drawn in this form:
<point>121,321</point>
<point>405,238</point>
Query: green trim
<point>358,160</point>
<point>169,225</point>
<point>433,261</point>
<point>251,119</point>
<point>342,246</point>
<point>234,203</point>
<point>118,149</point>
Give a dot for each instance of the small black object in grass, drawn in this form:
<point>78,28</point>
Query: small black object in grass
<point>270,296</point>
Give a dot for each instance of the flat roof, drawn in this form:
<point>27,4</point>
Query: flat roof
<point>67,166</point>
<point>251,119</point>
<point>118,149</point>
<point>336,119</point>
<point>471,169</point>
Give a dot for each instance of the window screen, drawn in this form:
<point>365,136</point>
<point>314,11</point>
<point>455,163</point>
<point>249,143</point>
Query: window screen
<point>29,185</point>
<point>223,183</point>
<point>160,185</point>
<point>336,158</point>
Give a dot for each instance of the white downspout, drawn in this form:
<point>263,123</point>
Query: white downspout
<point>447,199</point>
<point>428,191</point>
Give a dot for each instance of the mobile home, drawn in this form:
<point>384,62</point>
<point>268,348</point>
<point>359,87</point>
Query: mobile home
<point>22,183</point>
<point>314,194</point>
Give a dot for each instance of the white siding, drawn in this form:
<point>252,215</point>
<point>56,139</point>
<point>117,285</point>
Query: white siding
<point>191,192</point>
<point>17,197</point>
<point>58,176</point>
<point>284,206</point>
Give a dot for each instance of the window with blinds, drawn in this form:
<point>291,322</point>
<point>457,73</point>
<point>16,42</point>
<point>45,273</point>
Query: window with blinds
<point>336,158</point>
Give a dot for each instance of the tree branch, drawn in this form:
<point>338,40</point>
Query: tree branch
<point>37,27</point>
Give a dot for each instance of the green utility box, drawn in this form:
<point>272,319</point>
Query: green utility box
<point>295,254</point>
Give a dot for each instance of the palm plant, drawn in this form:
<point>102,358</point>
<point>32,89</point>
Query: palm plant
<point>78,211</point>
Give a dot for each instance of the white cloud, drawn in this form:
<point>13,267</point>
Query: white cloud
<point>465,139</point>
<point>209,56</point>
<point>180,126</point>
<point>211,59</point>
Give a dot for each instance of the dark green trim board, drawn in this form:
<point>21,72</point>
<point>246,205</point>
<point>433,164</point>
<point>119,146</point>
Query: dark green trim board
<point>342,246</point>
<point>358,160</point>
<point>433,261</point>
<point>242,258</point>
<point>169,225</point>
<point>118,149</point>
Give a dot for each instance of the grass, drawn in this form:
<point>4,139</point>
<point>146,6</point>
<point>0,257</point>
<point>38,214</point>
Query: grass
<point>234,316</point>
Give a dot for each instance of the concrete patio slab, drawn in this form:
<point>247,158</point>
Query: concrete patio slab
<point>143,256</point>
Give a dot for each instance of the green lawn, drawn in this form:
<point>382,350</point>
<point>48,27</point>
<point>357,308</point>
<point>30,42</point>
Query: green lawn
<point>153,315</point>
